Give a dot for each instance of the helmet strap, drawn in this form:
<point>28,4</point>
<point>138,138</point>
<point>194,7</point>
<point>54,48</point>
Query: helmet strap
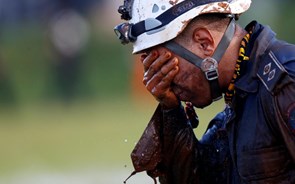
<point>208,65</point>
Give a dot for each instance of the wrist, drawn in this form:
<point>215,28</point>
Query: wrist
<point>170,106</point>
<point>175,117</point>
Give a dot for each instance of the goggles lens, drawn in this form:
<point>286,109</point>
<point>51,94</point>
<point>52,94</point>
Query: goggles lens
<point>123,32</point>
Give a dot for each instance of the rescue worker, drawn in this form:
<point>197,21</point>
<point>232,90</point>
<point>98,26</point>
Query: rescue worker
<point>193,51</point>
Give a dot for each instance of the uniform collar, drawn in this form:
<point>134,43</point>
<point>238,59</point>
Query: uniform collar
<point>259,42</point>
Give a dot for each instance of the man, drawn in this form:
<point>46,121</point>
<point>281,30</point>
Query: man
<point>193,51</point>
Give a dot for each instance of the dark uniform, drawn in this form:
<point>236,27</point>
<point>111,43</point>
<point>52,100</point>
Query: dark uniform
<point>251,141</point>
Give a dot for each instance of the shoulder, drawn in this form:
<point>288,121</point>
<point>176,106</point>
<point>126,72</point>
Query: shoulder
<point>277,66</point>
<point>277,73</point>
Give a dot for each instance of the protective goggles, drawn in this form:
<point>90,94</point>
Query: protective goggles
<point>127,32</point>
<point>123,32</point>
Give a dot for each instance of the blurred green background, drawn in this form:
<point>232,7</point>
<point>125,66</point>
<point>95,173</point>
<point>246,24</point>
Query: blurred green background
<point>72,111</point>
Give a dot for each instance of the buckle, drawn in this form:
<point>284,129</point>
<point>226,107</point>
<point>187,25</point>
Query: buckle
<point>210,68</point>
<point>211,75</point>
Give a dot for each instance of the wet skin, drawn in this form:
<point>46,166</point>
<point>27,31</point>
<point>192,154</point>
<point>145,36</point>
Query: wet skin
<point>171,79</point>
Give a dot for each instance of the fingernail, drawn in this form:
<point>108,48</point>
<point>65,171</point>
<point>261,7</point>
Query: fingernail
<point>168,54</point>
<point>143,56</point>
<point>175,60</point>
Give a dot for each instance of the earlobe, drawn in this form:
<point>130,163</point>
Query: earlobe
<point>204,40</point>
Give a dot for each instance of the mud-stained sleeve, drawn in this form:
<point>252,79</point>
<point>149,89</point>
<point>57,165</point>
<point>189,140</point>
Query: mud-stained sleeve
<point>285,102</point>
<point>180,149</point>
<point>167,148</point>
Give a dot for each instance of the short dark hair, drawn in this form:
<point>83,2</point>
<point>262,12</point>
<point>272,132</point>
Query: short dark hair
<point>217,21</point>
<point>213,21</point>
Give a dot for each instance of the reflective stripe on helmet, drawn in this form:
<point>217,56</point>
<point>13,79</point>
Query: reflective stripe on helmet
<point>154,22</point>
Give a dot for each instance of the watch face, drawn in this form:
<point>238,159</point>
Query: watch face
<point>209,64</point>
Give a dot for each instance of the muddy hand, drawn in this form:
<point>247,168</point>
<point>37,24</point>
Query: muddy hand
<point>160,69</point>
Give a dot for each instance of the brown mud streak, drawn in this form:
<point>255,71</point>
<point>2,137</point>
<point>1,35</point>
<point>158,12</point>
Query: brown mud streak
<point>173,2</point>
<point>221,7</point>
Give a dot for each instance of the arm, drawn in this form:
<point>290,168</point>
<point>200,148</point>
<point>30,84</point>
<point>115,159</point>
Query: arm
<point>285,102</point>
<point>168,148</point>
<point>180,149</point>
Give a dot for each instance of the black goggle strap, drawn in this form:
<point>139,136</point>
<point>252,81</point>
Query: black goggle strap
<point>197,61</point>
<point>184,53</point>
<point>225,41</point>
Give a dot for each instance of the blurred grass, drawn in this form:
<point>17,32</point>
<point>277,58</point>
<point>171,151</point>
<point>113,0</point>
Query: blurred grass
<point>84,135</point>
<point>63,137</point>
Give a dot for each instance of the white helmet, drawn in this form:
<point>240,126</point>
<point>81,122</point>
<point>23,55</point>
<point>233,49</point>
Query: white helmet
<point>152,22</point>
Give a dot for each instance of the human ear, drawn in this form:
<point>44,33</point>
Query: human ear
<point>204,40</point>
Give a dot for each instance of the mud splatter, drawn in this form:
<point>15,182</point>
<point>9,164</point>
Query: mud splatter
<point>219,7</point>
<point>173,2</point>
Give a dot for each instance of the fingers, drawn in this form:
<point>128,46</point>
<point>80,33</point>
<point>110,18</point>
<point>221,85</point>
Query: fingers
<point>155,67</point>
<point>153,62</point>
<point>164,85</point>
<point>159,62</point>
<point>159,84</point>
<point>153,77</point>
<point>147,60</point>
<point>160,71</point>
<point>169,66</point>
<point>163,92</point>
